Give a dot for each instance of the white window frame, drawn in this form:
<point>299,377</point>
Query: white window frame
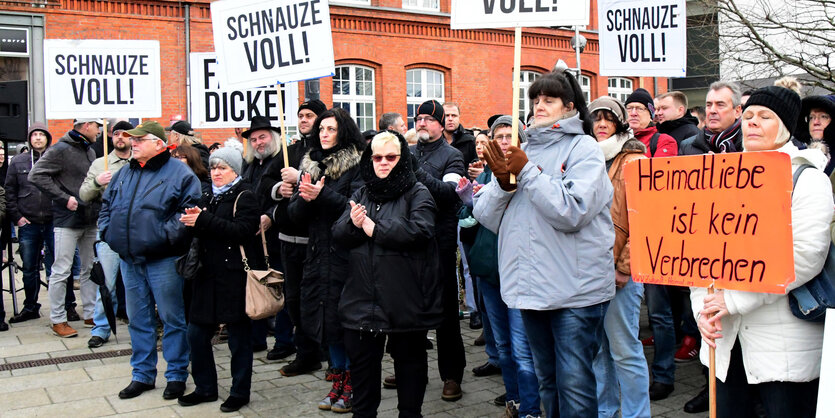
<point>619,88</point>
<point>419,5</point>
<point>526,78</point>
<point>413,101</point>
<point>585,86</point>
<point>355,102</point>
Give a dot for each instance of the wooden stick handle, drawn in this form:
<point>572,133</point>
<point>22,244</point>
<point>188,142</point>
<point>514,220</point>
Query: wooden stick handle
<point>104,138</point>
<point>517,62</point>
<point>283,131</point>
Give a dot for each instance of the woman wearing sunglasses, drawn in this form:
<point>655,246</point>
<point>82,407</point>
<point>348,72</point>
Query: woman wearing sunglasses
<point>393,290</point>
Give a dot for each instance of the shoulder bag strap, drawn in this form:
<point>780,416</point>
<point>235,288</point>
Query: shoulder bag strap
<point>653,144</point>
<point>243,253</point>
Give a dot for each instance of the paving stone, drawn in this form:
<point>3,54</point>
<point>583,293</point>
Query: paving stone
<point>156,413</point>
<point>42,380</point>
<point>76,409</point>
<point>33,348</point>
<point>23,399</point>
<point>86,390</point>
<point>108,371</point>
<point>34,370</point>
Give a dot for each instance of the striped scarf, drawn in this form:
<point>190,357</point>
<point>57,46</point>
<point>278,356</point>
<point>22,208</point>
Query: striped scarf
<point>729,140</point>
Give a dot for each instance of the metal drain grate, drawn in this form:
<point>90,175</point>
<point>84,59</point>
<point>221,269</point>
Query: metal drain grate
<point>81,357</point>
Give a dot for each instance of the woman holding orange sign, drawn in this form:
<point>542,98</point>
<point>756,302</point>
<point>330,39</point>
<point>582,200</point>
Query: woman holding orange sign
<point>761,348</point>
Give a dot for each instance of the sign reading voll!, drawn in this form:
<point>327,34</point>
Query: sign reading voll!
<point>259,42</point>
<point>215,107</point>
<point>476,14</point>
<point>102,78</point>
<point>643,38</point>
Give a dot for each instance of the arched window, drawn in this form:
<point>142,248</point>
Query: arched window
<point>422,84</point>
<point>526,78</point>
<point>353,90</point>
<point>620,88</point>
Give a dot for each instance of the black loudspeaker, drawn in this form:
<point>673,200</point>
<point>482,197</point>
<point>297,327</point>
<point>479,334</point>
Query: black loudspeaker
<point>14,110</point>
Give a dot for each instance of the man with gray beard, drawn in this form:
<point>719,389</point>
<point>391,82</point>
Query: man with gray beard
<point>262,145</point>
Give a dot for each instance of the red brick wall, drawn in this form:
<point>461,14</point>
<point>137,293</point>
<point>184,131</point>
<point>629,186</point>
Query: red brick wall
<point>477,65</point>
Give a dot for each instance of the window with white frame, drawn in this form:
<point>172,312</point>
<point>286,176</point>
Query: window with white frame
<point>429,5</point>
<point>620,88</point>
<point>353,90</point>
<point>350,2</point>
<point>422,84</point>
<point>526,78</point>
<point>585,86</point>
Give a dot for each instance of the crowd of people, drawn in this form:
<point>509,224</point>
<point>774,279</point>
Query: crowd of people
<point>368,229</point>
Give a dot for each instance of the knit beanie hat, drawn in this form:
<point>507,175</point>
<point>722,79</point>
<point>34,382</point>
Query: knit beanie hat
<point>230,156</point>
<point>431,108</point>
<point>316,106</point>
<point>508,120</point>
<point>611,104</point>
<point>643,97</point>
<point>782,101</point>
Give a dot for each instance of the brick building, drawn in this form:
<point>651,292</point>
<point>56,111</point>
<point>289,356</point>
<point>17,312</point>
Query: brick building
<point>390,54</point>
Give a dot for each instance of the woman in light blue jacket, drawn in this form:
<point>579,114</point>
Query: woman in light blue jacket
<point>555,241</point>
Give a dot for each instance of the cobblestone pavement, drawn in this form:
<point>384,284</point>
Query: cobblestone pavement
<point>86,386</point>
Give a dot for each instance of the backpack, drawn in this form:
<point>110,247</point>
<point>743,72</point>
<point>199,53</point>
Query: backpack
<point>810,301</point>
<point>653,144</point>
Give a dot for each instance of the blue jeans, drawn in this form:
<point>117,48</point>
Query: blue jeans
<point>515,357</point>
<point>110,264</point>
<point>564,343</point>
<point>32,238</point>
<point>145,283</point>
<point>339,357</point>
<point>663,330</point>
<point>620,367</point>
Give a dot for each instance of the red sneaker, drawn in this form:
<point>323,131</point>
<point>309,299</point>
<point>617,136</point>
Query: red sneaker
<point>649,341</point>
<point>688,351</point>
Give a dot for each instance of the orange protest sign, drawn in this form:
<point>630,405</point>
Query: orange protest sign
<point>722,217</point>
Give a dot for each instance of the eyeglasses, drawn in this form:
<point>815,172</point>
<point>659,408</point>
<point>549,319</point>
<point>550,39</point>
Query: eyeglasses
<point>636,109</point>
<point>390,158</point>
<point>426,119</point>
<point>823,117</point>
<point>506,137</point>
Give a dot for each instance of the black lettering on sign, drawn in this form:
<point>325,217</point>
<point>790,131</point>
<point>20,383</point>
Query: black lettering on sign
<point>281,51</point>
<point>274,21</point>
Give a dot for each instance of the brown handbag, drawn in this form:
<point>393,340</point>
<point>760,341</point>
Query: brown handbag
<point>264,288</point>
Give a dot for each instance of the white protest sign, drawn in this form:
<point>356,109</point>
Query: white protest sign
<point>643,38</point>
<point>215,107</point>
<point>262,42</point>
<point>102,78</point>
<point>478,14</point>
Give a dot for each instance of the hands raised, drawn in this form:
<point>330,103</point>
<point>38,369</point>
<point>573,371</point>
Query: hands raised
<point>308,190</point>
<point>190,217</point>
<point>360,220</point>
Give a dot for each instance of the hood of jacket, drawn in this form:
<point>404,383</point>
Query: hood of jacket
<point>544,132</point>
<point>336,164</point>
<point>38,126</point>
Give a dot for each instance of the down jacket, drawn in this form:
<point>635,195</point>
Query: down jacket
<point>394,282</point>
<point>555,230</point>
<point>141,208</point>
<point>777,346</point>
<point>440,167</point>
<point>219,292</point>
<point>326,265</point>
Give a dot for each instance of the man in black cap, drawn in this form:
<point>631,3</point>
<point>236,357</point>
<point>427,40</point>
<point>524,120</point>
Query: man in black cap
<point>279,182</point>
<point>439,166</point>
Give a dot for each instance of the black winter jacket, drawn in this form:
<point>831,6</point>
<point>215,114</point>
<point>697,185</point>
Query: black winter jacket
<point>59,174</point>
<point>272,176</point>
<point>440,167</point>
<point>23,199</point>
<point>326,265</point>
<point>680,129</point>
<point>464,141</point>
<point>141,208</point>
<point>219,292</point>
<point>394,282</point>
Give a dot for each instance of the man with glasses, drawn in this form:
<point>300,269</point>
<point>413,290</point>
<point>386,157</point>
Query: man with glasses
<point>640,111</point>
<point>140,221</point>
<point>59,174</point>
<point>439,166</point>
<point>91,190</point>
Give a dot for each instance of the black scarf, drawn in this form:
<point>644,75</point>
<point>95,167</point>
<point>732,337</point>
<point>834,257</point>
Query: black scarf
<point>400,179</point>
<point>729,140</point>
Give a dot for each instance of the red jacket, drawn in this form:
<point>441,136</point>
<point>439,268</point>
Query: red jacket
<point>667,145</point>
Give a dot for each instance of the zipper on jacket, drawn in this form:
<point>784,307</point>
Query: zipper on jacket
<point>130,209</point>
<point>152,188</point>
<point>374,287</point>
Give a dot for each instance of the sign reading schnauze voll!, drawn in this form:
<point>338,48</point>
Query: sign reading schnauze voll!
<point>259,42</point>
<point>643,38</point>
<point>476,14</point>
<point>102,78</point>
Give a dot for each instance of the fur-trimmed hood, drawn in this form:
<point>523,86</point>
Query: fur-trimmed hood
<point>336,164</point>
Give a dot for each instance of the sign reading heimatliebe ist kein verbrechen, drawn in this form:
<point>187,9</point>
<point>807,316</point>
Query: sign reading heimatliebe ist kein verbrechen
<point>102,78</point>
<point>643,38</point>
<point>259,43</point>
<point>216,107</point>
<point>722,219</point>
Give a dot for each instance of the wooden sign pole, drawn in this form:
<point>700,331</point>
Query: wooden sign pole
<point>281,119</point>
<point>517,62</point>
<point>104,144</point>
